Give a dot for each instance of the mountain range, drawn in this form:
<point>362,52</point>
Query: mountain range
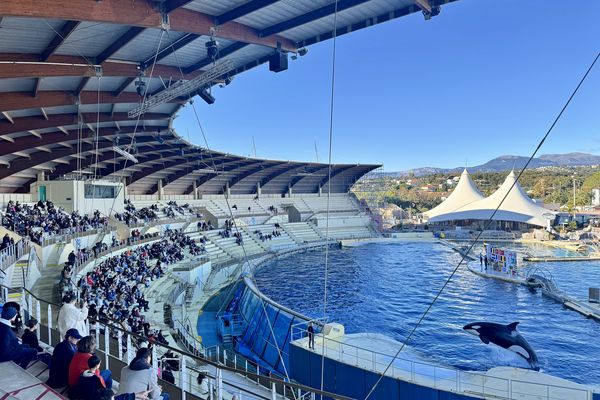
<point>508,162</point>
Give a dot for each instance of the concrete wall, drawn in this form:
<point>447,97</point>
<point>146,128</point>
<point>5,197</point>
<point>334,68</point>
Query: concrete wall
<point>71,196</point>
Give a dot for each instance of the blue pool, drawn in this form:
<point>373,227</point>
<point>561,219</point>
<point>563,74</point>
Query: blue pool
<point>384,288</point>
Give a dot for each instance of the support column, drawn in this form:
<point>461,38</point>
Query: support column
<point>160,189</point>
<point>289,190</point>
<point>320,190</point>
<point>195,190</point>
<point>227,190</point>
<point>258,189</point>
<point>41,176</point>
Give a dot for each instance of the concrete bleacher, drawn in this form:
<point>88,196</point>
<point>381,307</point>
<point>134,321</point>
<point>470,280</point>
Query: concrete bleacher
<point>302,232</point>
<point>17,383</point>
<point>277,242</point>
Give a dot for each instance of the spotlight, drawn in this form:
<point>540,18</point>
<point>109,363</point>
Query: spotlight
<point>212,48</point>
<point>140,87</point>
<point>302,51</point>
<point>206,96</point>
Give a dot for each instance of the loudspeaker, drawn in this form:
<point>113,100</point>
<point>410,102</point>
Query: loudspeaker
<point>278,62</point>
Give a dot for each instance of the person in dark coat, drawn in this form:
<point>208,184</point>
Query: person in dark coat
<point>61,358</point>
<point>10,348</point>
<point>29,338</point>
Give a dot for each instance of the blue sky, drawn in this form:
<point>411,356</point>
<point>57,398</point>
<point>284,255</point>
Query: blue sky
<point>482,79</point>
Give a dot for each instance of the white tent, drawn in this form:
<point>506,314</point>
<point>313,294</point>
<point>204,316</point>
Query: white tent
<point>517,207</point>
<point>463,194</point>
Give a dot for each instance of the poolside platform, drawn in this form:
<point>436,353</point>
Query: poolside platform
<point>561,259</point>
<point>490,273</point>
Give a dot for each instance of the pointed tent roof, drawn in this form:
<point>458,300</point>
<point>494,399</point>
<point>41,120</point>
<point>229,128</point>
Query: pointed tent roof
<point>517,206</point>
<point>464,193</point>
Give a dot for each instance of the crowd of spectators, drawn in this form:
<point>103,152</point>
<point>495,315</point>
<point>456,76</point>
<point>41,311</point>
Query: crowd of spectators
<point>264,237</point>
<point>44,219</point>
<point>132,215</point>
<point>113,288</point>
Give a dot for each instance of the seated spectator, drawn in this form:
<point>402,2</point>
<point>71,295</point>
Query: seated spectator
<point>30,338</point>
<point>70,316</point>
<point>203,383</point>
<point>139,376</point>
<point>92,387</point>
<point>79,363</point>
<point>10,348</point>
<point>61,359</point>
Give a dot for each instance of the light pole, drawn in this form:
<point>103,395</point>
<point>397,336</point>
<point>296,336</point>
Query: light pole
<point>574,205</point>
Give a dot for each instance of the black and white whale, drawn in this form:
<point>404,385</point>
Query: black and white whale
<point>505,336</point>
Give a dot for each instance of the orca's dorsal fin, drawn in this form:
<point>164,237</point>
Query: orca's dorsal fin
<point>513,326</point>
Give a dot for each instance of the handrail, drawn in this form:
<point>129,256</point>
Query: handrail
<point>13,253</point>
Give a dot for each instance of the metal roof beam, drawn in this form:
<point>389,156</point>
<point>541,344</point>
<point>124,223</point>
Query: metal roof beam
<point>59,39</point>
<point>25,124</point>
<point>121,89</point>
<point>424,5</point>
<point>36,87</point>
<point>246,174</point>
<point>310,16</point>
<point>46,99</point>
<point>28,66</point>
<point>171,5</point>
<point>167,51</point>
<point>8,117</point>
<point>81,85</point>
<point>242,10</point>
<point>147,171</point>
<point>334,172</point>
<point>138,13</point>
<point>25,142</point>
<point>115,46</point>
<point>232,48</point>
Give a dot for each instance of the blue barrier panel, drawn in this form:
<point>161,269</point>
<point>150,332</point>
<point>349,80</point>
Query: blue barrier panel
<point>355,382</point>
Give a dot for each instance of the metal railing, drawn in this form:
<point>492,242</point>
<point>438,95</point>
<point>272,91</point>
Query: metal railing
<point>65,235</point>
<point>12,254</point>
<point>440,377</point>
<point>116,346</point>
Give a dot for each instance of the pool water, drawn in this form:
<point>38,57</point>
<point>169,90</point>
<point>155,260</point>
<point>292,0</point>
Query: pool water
<point>384,288</point>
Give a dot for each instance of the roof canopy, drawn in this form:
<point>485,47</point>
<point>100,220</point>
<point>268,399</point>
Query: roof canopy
<point>517,207</point>
<point>464,193</point>
<point>70,70</point>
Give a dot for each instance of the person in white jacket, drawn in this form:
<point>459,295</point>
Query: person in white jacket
<point>72,317</point>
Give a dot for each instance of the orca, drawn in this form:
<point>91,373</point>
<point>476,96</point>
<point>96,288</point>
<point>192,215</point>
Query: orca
<point>505,336</point>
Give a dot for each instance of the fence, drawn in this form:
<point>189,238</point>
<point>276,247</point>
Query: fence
<point>65,235</point>
<point>12,253</point>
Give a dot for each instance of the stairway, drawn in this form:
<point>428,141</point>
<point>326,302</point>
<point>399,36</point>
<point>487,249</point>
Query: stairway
<point>47,286</point>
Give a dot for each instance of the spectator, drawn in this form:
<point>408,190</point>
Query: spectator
<point>61,359</point>
<point>91,386</point>
<point>85,350</point>
<point>140,376</point>
<point>10,348</point>
<point>70,316</point>
<point>30,338</point>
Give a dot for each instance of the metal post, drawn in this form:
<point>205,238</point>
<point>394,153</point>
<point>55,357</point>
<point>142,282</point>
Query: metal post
<point>211,388</point>
<point>225,357</point>
<point>258,373</point>
<point>106,347</point>
<point>50,325</point>
<point>120,344</point>
<point>129,356</point>
<point>235,361</point>
<point>154,359</point>
<point>273,391</point>
<point>183,381</point>
<point>38,314</point>
<point>219,385</point>
<point>98,333</point>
